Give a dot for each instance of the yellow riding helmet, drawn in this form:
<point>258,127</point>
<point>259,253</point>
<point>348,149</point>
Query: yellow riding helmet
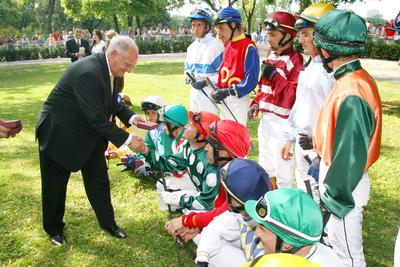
<point>280,260</point>
<point>311,15</point>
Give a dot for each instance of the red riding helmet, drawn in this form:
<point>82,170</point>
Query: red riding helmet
<point>281,21</point>
<point>230,136</point>
<point>201,120</point>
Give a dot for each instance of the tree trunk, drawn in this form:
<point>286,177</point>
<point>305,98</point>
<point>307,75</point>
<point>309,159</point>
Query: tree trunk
<point>115,19</point>
<point>129,20</point>
<point>138,22</point>
<point>249,14</point>
<point>50,16</point>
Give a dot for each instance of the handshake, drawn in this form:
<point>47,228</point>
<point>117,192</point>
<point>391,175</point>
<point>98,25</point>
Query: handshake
<point>137,145</point>
<point>9,128</point>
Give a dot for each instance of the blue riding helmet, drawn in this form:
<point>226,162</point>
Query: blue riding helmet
<point>202,14</point>
<point>227,15</point>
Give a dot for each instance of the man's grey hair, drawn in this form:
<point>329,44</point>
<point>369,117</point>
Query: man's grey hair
<point>121,44</point>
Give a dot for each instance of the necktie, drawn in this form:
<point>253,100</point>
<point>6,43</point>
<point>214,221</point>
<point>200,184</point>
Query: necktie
<point>78,42</point>
<point>112,83</point>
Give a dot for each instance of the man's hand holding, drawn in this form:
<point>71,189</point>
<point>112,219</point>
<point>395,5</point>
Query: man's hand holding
<point>136,119</point>
<point>137,145</point>
<point>173,226</point>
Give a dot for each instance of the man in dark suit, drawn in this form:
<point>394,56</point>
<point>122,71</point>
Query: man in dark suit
<point>74,44</point>
<point>75,124</point>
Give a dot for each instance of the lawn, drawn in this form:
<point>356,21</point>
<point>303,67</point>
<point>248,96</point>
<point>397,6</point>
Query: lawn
<point>24,243</point>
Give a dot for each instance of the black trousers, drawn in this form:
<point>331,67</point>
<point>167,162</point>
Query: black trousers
<point>54,188</point>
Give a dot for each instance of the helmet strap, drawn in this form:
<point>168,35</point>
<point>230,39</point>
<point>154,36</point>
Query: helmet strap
<point>171,128</point>
<point>233,29</point>
<point>282,42</point>
<point>279,244</point>
<point>217,158</point>
<point>326,60</point>
<point>197,138</point>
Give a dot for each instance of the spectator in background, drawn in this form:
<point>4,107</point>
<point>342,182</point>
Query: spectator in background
<point>97,42</point>
<point>379,32</point>
<point>24,41</point>
<point>371,28</point>
<point>35,38</point>
<point>56,37</point>
<point>50,40</point>
<point>73,46</point>
<point>109,35</point>
<point>137,33</point>
<point>389,32</point>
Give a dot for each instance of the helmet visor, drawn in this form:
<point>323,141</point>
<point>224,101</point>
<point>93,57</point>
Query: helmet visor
<point>223,174</point>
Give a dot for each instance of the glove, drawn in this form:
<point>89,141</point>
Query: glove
<point>142,170</point>
<point>313,170</point>
<point>131,164</point>
<point>171,198</point>
<point>202,259</point>
<point>251,111</point>
<point>200,84</point>
<point>268,71</point>
<point>188,80</point>
<point>220,95</point>
<point>305,141</point>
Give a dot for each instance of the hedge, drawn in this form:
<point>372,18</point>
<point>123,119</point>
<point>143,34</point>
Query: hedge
<point>145,47</point>
<point>377,49</point>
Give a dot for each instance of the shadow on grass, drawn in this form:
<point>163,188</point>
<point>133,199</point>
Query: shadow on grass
<point>378,228</point>
<point>391,108</point>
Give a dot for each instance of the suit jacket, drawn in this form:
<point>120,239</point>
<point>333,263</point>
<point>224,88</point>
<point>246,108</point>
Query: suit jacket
<point>79,112</point>
<point>72,48</point>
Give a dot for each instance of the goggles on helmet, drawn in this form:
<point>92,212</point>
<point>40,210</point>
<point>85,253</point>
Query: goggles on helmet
<point>303,23</point>
<point>148,106</point>
<point>165,118</point>
<point>261,209</point>
<point>200,12</point>
<point>273,24</point>
<point>215,142</point>
<point>226,20</point>
<point>196,118</point>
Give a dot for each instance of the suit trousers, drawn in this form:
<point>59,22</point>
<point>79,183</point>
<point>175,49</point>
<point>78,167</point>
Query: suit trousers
<point>54,187</point>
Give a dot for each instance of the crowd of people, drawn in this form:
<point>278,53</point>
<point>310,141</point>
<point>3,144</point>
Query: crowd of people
<point>60,38</point>
<point>319,133</point>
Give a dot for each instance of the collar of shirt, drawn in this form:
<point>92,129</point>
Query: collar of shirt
<point>78,40</point>
<point>108,65</point>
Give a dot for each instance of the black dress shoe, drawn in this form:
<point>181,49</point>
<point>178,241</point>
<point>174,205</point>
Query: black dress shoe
<point>59,240</point>
<point>117,232</point>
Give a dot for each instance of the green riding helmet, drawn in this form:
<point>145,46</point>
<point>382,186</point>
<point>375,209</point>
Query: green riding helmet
<point>291,214</point>
<point>341,33</point>
<point>174,114</point>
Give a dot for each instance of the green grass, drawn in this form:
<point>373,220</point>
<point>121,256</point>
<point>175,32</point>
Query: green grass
<point>24,243</point>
